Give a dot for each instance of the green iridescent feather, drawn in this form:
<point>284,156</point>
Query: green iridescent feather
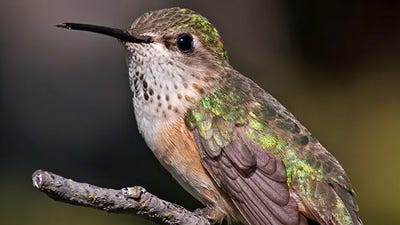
<point>184,20</point>
<point>311,171</point>
<point>208,33</point>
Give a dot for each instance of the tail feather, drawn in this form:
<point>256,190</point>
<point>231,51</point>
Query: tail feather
<point>348,199</point>
<point>338,208</point>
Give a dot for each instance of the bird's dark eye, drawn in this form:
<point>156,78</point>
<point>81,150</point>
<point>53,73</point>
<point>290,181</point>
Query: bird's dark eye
<point>185,43</point>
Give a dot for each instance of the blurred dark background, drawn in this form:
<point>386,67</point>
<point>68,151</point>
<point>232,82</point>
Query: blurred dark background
<point>65,103</point>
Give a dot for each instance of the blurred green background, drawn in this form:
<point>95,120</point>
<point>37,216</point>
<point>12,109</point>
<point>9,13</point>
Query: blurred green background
<point>65,103</point>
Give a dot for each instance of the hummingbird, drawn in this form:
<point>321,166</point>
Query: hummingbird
<point>228,142</point>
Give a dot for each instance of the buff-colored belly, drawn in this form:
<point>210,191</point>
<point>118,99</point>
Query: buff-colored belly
<point>176,150</point>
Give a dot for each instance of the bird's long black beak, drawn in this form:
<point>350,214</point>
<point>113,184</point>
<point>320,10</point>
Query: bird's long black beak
<point>122,35</point>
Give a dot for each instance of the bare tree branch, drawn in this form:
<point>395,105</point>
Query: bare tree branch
<point>134,200</point>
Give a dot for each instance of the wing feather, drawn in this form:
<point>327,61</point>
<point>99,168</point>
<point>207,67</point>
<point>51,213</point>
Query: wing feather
<point>243,171</point>
<point>255,150</point>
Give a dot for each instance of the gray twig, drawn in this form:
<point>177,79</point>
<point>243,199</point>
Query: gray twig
<point>134,200</point>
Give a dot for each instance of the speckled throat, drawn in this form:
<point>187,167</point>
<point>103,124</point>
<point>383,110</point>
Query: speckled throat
<point>163,89</point>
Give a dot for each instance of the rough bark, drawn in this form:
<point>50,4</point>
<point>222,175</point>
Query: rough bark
<point>133,200</point>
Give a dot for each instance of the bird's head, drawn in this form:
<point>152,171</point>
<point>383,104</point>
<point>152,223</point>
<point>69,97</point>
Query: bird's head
<point>175,56</point>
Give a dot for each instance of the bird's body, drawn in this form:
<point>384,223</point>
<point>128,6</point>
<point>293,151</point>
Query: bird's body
<point>228,142</point>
